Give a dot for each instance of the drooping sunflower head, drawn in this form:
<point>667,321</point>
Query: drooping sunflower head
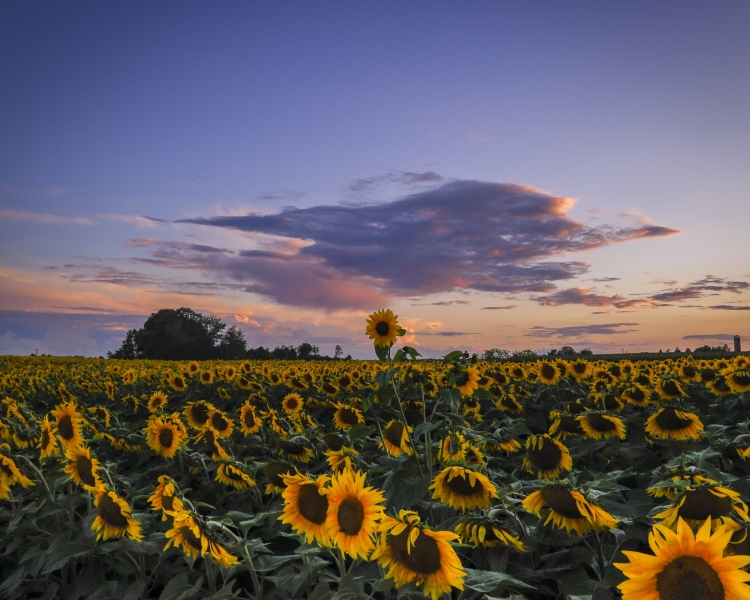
<point>249,421</point>
<point>636,395</point>
<point>275,473</point>
<point>685,566</point>
<point>306,507</point>
<point>165,498</point>
<point>671,423</point>
<point>600,425</point>
<point>382,327</point>
<point>702,501</point>
<point>186,533</point>
<point>482,531</point>
<point>669,388</point>
<point>230,474</point>
<point>113,519</point>
<point>353,513</point>
<point>413,553</point>
<point>546,457</point>
<point>564,425</point>
<point>48,444</point>
<point>83,468</point>
<point>568,509</point>
<point>396,439</point>
<point>453,448</point>
<point>463,488</point>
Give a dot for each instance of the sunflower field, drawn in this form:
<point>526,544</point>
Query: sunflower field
<point>391,478</point>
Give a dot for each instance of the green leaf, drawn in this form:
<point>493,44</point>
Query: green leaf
<point>135,591</point>
<point>423,428</point>
<point>452,357</point>
<point>489,581</point>
<point>382,352</point>
<point>12,581</point>
<point>408,492</point>
<point>360,431</point>
<point>271,563</point>
<point>178,588</point>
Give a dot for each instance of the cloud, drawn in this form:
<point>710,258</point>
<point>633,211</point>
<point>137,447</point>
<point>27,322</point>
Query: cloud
<point>246,320</point>
<point>445,303</point>
<point>137,220</point>
<point>605,279</point>
<point>580,330</point>
<point>406,178</point>
<point>460,235</point>
<point>9,214</point>
<point>448,333</point>
<point>699,289</point>
<point>509,307</point>
<point>728,307</point>
<point>709,336</point>
<point>579,295</point>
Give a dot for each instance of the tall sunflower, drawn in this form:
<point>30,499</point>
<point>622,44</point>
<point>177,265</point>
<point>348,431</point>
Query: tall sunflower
<point>306,507</point>
<point>671,423</point>
<point>83,468</point>
<point>68,423</point>
<point>546,457</point>
<point>382,327</point>
<point>463,488</point>
<point>568,509</point>
<point>165,435</point>
<point>113,519</point>
<point>353,513</point>
<point>10,473</point>
<point>413,553</point>
<point>396,439</point>
<point>685,566</point>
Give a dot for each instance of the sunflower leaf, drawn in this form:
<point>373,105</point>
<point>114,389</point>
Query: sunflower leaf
<point>489,581</point>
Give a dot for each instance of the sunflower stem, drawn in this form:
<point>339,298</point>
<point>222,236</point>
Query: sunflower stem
<point>210,574</point>
<point>599,555</point>
<point>403,414</point>
<point>40,476</point>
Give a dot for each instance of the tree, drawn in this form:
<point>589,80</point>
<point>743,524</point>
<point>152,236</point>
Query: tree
<point>306,351</point>
<point>128,348</point>
<point>338,352</point>
<point>233,344</point>
<point>495,354</point>
<point>566,351</point>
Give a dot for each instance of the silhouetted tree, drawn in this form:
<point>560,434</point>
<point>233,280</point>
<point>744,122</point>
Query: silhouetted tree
<point>128,348</point>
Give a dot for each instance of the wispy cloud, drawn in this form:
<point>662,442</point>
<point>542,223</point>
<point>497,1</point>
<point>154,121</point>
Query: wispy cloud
<point>448,333</point>
<point>9,214</point>
<point>580,295</point>
<point>445,303</point>
<point>509,307</point>
<point>728,307</point>
<point>701,288</point>
<point>581,330</point>
<point>709,336</point>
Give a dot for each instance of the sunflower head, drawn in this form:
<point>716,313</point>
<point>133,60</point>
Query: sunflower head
<point>546,457</point>
<point>113,518</point>
<point>306,507</point>
<point>463,488</point>
<point>382,327</point>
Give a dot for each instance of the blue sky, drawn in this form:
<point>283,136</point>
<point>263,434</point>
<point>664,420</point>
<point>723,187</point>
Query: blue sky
<point>130,131</point>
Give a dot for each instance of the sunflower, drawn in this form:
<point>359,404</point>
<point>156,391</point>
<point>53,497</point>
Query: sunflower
<point>10,473</point>
<point>547,372</point>
<point>206,377</point>
<point>177,383</point>
<point>68,423</point>
<point>275,476</point>
<point>495,447</point>
<point>113,518</point>
<point>220,555</point>
<point>702,501</point>
<point>353,513</point>
<point>48,444</point>
<point>580,369</point>
<point>597,425</point>
<point>249,421</point>
<point>546,457</point>
<point>165,435</point>
<point>306,507</point>
<point>509,403</point>
<point>719,386</point>
<point>568,509</point>
<point>685,565</point>
<point>453,448</point>
<point>296,451</point>
<point>463,488</point>
<point>157,401</point>
<point>187,534</point>
<point>100,413</point>
<point>488,535</point>
<point>396,439</point>
<point>636,394</point>
<point>229,474</point>
<point>165,497</point>
<point>467,382</point>
<point>382,327</point>
<point>220,422</point>
<point>329,389</point>
<point>346,416</point>
<point>292,403</point>
<point>564,425</point>
<point>413,553</point>
<point>83,468</point>
<point>738,380</point>
<point>213,441</point>
<point>670,423</point>
<point>340,460</point>
<point>197,413</point>
<point>669,388</point>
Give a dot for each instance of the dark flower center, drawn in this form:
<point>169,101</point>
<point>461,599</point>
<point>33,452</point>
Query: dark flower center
<point>167,502</point>
<point>548,371</point>
<point>218,421</point>
<point>580,368</point>
<point>351,515</point>
<point>333,442</point>
<point>393,433</point>
<point>462,486</point>
<point>199,412</point>
<point>275,472</point>
<point>188,535</point>
<point>670,388</point>
<point>65,428</point>
<point>85,470</point>
<point>600,424</point>
<point>689,578</point>
<point>382,328</point>
<point>166,437</point>
<point>348,416</point>
<point>570,425</point>
<point>250,418</point>
<point>701,503</point>
<point>291,403</point>
<point>546,458</point>
<point>311,504</point>
<point>562,502</point>
<point>111,514</point>
<point>292,448</point>
<point>636,395</point>
<point>668,419</point>
<point>423,556</point>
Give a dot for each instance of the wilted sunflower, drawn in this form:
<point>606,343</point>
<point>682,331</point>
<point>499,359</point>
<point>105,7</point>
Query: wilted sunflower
<point>100,413</point>
<point>165,497</point>
<point>306,507</point>
<point>346,416</point>
<point>83,468</point>
<point>598,425</point>
<point>165,435</point>
<point>568,509</point>
<point>546,457</point>
<point>249,421</point>
<point>477,532</point>
<point>68,424</point>
<point>685,566</point>
<point>702,501</point>
<point>275,476</point>
<point>382,327</point>
<point>296,451</point>
<point>197,413</point>
<point>228,474</point>
<point>113,518</point>
<point>396,439</point>
<point>463,488</point>
<point>353,513</point>
<point>668,423</point>
<point>220,422</point>
<point>292,404</point>
<point>48,444</point>
<point>157,401</point>
<point>413,553</point>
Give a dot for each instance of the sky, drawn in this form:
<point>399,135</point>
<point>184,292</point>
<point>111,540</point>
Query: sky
<point>516,175</point>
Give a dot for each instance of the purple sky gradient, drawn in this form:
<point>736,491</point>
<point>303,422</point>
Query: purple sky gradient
<point>501,175</point>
